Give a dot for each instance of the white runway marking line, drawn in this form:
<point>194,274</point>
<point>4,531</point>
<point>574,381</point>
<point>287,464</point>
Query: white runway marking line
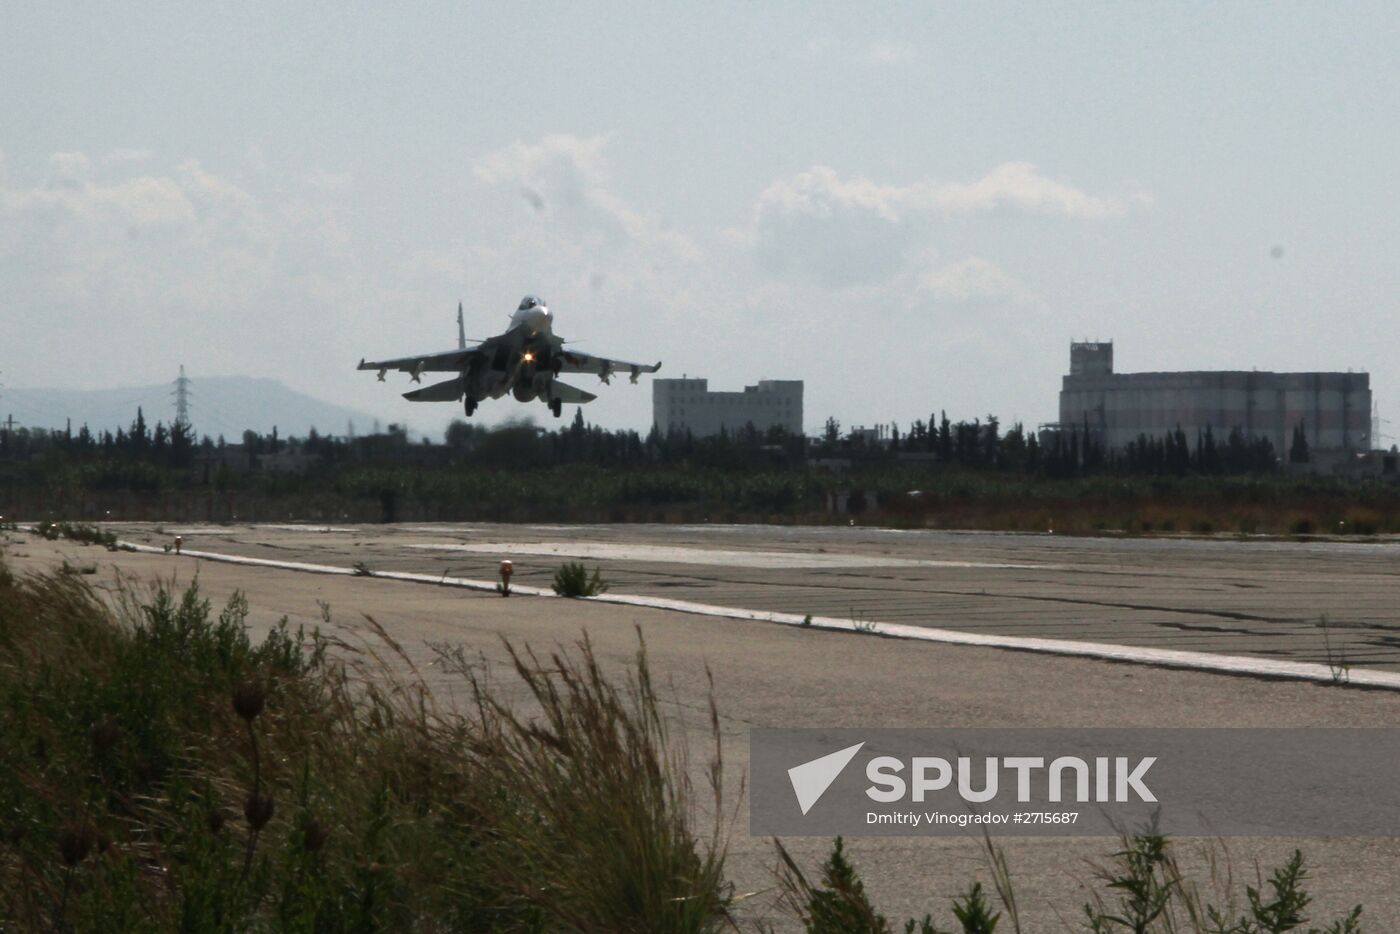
<point>280,527</point>
<point>715,557</point>
<point>1163,658</point>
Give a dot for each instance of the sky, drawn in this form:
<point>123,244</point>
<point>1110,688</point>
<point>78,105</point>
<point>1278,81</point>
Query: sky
<point>911,207</point>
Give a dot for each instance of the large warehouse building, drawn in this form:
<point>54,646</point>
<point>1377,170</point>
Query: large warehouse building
<point>681,405</point>
<point>1333,408</point>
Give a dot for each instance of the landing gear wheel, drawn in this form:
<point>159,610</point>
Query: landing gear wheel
<point>470,406</point>
<point>557,407</point>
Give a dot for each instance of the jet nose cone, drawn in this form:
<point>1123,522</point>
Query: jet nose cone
<point>538,319</point>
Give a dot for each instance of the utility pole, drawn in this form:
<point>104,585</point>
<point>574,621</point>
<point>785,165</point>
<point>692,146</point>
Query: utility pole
<point>182,398</point>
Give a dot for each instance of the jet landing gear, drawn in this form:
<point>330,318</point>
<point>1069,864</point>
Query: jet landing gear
<point>470,406</point>
<point>557,407</point>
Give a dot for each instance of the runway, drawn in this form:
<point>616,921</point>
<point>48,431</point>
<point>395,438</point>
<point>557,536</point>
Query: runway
<point>787,676</point>
<point>1332,603</point>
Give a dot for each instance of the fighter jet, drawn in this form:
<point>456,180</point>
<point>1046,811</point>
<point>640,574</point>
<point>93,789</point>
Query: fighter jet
<point>525,361</point>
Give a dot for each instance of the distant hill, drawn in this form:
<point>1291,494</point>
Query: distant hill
<point>219,405</point>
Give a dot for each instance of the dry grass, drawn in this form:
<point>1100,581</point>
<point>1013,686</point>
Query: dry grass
<point>166,772</point>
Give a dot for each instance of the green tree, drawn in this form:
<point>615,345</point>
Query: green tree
<point>1298,451</point>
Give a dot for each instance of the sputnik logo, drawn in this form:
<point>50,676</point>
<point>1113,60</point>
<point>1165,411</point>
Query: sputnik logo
<point>810,780</point>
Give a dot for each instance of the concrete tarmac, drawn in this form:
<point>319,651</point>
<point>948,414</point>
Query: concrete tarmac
<point>1243,598</point>
<point>1322,601</point>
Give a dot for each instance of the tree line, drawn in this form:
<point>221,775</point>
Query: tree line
<point>978,445</point>
<point>1076,451</point>
<point>164,445</point>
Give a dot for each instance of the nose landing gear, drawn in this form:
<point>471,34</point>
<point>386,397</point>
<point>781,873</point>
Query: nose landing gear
<point>557,407</point>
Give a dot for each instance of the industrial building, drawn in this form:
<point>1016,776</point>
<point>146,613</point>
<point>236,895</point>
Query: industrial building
<point>681,405</point>
<point>1333,408</point>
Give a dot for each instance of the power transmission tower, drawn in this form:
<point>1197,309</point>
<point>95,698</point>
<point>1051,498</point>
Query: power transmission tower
<point>9,422</point>
<point>182,398</point>
<point>1378,434</point>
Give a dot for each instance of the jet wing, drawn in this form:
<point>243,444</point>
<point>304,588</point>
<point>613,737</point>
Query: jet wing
<point>573,361</point>
<point>448,361</point>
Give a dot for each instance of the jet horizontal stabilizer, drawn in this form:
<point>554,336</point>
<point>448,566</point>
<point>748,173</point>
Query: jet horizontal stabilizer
<point>570,394</point>
<point>446,391</point>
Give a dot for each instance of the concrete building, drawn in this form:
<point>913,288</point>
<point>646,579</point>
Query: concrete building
<point>680,405</point>
<point>1333,408</point>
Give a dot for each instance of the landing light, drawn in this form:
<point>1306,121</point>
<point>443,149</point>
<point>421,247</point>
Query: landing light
<point>529,357</point>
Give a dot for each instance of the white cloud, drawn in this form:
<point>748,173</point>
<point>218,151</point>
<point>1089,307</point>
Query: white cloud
<point>839,233</point>
<point>974,280</point>
<point>566,176</point>
<point>820,191</point>
<point>68,170</point>
<point>129,268</point>
<point>127,156</point>
<point>1018,186</point>
<point>562,174</point>
<point>146,201</point>
<point>579,158</point>
<point>847,230</point>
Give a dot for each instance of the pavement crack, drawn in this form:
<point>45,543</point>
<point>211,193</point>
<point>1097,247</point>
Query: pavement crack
<point>847,585</point>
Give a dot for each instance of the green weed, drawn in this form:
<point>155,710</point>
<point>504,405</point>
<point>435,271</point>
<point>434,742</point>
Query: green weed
<point>77,532</point>
<point>1142,891</point>
<point>572,580</point>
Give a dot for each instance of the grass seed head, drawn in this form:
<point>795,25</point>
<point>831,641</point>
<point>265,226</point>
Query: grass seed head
<point>313,834</point>
<point>258,810</point>
<point>248,699</point>
<point>75,844</point>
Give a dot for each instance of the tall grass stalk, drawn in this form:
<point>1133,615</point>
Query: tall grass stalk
<point>132,741</point>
